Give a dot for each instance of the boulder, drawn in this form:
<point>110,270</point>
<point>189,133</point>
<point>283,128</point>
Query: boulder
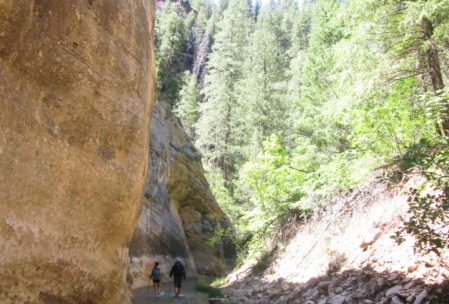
<point>323,287</point>
<point>393,291</point>
<point>421,297</point>
<point>396,300</point>
<point>77,88</point>
<point>338,299</point>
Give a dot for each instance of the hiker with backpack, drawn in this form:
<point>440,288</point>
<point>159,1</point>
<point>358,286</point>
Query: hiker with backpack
<point>156,275</point>
<point>178,272</point>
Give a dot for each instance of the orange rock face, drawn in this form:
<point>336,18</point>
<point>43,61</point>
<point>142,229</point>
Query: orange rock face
<point>77,88</point>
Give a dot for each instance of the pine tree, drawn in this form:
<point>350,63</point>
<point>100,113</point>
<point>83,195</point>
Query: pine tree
<point>256,9</point>
<point>187,108</point>
<point>299,43</point>
<point>204,12</point>
<point>264,86</point>
<point>411,34</point>
<point>289,14</point>
<point>301,28</point>
<point>222,6</point>
<point>317,84</point>
<point>216,126</point>
<point>169,44</point>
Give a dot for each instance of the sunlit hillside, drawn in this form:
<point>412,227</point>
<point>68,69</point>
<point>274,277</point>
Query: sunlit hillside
<point>347,254</point>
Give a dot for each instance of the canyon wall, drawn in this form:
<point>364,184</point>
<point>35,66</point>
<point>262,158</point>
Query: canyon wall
<point>77,88</point>
<point>180,214</point>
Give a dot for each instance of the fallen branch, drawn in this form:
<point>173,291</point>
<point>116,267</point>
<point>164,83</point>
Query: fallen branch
<point>386,166</point>
<point>300,170</point>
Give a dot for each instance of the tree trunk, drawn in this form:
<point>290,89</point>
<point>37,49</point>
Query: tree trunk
<point>434,70</point>
<point>421,68</point>
<point>227,140</point>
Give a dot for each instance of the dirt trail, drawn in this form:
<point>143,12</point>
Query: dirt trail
<point>188,295</point>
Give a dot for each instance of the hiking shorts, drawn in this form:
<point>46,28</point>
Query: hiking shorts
<point>177,281</point>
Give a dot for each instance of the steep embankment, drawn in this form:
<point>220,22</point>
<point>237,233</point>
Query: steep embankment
<point>179,212</point>
<point>77,87</point>
<point>346,255</point>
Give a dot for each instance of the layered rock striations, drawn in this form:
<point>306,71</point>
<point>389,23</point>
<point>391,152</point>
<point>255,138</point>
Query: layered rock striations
<point>180,214</point>
<point>77,85</point>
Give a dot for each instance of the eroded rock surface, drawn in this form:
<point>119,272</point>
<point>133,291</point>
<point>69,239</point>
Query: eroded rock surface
<point>76,93</point>
<point>180,213</point>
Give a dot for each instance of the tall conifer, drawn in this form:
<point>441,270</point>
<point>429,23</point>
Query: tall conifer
<point>216,126</point>
<point>187,108</point>
<point>263,88</point>
<point>169,42</point>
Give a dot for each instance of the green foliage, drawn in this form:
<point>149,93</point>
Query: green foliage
<point>428,211</point>
<point>205,12</point>
<point>345,86</point>
<point>203,286</point>
<point>401,117</point>
<point>218,281</point>
<point>265,258</point>
<point>328,26</point>
<point>316,103</point>
<point>215,178</point>
<point>261,265</point>
<point>399,121</point>
<point>187,108</point>
<point>273,188</point>
<point>216,128</point>
<point>169,41</point>
<point>343,173</point>
<point>150,197</point>
<point>270,178</point>
<point>428,221</point>
<point>221,234</point>
<point>262,89</point>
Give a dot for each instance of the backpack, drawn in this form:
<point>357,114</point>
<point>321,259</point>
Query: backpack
<point>178,269</point>
<point>156,274</point>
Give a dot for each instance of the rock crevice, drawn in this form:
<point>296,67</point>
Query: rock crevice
<point>180,214</point>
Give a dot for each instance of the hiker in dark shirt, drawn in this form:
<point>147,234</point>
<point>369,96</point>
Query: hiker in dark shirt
<point>178,272</point>
<point>156,275</point>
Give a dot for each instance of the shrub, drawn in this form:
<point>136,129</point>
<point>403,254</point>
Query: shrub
<point>203,286</point>
<point>428,219</point>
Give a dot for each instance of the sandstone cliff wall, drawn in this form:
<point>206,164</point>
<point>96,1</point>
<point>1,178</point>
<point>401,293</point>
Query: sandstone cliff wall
<point>179,212</point>
<point>77,85</point>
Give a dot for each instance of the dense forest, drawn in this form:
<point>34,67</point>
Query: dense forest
<point>293,104</point>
